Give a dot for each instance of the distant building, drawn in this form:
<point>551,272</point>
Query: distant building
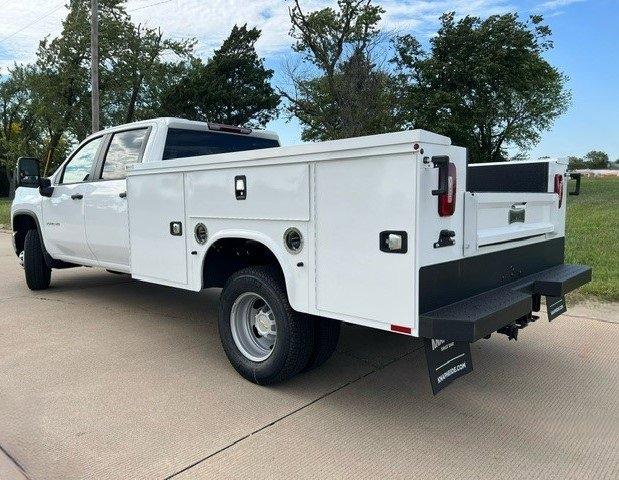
<point>587,172</point>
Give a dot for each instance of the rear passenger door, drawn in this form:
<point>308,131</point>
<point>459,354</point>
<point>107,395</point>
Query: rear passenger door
<point>106,217</point>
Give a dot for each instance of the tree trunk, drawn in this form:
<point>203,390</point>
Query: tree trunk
<point>11,181</point>
<point>132,101</point>
<point>51,150</point>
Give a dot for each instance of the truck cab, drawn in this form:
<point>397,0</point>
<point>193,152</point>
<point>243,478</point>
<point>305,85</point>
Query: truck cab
<point>83,215</point>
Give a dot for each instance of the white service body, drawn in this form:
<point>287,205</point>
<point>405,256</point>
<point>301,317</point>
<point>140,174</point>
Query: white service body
<point>339,194</point>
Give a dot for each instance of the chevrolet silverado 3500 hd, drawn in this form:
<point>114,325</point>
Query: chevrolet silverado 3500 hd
<point>395,231</point>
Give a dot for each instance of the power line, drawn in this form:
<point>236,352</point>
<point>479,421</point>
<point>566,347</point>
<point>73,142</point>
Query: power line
<point>147,6</point>
<point>32,23</point>
<point>4,3</point>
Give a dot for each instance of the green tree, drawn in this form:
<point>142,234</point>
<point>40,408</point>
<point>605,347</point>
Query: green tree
<point>232,87</point>
<point>484,83</point>
<point>596,159</point>
<point>132,74</point>
<point>340,91</point>
<point>133,86</point>
<point>20,133</point>
<point>575,163</point>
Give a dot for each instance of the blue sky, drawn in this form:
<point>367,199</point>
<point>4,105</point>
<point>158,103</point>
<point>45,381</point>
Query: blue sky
<point>585,33</point>
<point>586,37</point>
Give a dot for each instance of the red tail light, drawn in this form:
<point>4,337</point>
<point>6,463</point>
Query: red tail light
<point>559,188</point>
<point>447,201</point>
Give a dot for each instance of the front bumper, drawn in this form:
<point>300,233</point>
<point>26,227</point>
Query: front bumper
<point>475,317</point>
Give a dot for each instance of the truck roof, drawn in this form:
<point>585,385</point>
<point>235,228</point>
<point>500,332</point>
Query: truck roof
<point>173,122</point>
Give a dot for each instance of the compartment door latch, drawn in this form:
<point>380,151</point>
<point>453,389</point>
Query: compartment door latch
<point>391,241</point>
<point>445,239</point>
<point>240,187</point>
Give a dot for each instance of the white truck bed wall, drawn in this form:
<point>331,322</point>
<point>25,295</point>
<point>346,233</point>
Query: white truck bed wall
<point>339,194</point>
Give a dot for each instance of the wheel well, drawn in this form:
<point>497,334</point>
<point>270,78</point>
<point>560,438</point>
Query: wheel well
<point>21,224</point>
<point>230,255</point>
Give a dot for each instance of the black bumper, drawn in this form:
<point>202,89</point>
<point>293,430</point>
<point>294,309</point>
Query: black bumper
<point>475,317</point>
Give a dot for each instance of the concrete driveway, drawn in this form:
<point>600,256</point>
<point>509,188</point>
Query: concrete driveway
<point>104,377</point>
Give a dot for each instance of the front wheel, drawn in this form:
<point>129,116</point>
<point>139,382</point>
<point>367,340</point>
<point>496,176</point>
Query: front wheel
<point>265,340</point>
<point>38,273</point>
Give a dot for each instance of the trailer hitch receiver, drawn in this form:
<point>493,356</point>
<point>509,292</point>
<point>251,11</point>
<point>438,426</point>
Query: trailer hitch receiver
<point>510,330</point>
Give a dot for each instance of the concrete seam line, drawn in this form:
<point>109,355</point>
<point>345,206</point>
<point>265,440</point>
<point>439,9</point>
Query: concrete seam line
<point>316,400</point>
<point>14,461</point>
<point>26,295</point>
<point>588,318</point>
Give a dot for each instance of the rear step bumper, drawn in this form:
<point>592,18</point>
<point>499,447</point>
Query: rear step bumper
<point>476,317</point>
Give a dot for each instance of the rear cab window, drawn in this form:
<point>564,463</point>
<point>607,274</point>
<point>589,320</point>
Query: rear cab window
<point>182,143</point>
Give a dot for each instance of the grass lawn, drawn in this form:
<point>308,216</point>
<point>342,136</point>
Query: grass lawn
<point>592,229</point>
<point>5,212</point>
<point>591,237</point>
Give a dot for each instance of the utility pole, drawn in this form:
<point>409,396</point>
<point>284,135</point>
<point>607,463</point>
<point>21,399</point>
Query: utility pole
<point>94,62</point>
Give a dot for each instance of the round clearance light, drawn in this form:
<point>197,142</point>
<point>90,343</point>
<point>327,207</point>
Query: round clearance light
<point>201,233</point>
<point>293,240</point>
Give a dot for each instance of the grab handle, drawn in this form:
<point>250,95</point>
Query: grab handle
<point>442,162</point>
<point>577,177</point>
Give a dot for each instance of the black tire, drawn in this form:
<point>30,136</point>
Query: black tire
<point>326,337</point>
<point>38,274</point>
<point>295,332</point>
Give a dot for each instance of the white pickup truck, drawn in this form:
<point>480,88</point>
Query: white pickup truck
<point>396,232</point>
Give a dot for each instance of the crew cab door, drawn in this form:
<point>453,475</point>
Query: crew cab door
<point>106,217</point>
<point>63,212</point>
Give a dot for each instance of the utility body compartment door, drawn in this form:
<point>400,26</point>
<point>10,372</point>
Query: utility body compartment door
<point>158,254</point>
<point>356,200</point>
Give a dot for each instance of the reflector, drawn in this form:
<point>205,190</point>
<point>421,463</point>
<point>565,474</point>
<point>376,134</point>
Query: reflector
<point>559,188</point>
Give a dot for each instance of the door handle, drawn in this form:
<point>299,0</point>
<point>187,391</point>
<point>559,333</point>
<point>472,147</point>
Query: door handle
<point>122,194</point>
<point>77,196</point>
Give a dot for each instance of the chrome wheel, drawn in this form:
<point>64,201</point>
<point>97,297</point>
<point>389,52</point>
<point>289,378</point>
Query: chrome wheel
<point>253,326</point>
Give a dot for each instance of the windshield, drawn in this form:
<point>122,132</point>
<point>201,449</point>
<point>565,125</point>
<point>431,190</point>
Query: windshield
<point>192,143</point>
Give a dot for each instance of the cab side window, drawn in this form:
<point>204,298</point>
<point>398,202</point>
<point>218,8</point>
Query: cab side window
<point>79,167</point>
<point>124,150</point>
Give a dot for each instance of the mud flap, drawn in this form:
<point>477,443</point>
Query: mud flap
<point>447,361</point>
<point>555,306</point>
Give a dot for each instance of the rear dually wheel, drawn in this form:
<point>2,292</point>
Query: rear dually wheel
<point>265,340</point>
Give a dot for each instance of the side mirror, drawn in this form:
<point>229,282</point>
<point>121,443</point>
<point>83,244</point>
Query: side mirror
<point>45,187</point>
<point>577,177</point>
<point>27,172</point>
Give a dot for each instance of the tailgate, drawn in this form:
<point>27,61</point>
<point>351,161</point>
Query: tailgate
<point>512,204</point>
<point>501,220</point>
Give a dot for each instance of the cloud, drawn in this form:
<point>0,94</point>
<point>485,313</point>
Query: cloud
<point>26,22</point>
<point>555,4</point>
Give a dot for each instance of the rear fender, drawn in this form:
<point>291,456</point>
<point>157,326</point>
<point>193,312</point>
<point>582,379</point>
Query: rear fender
<point>286,261</point>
